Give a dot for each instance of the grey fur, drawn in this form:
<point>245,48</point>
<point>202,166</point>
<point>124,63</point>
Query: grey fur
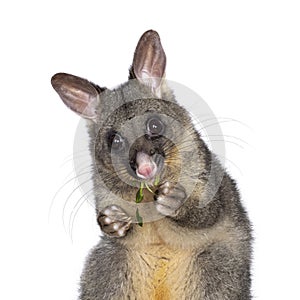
<point>200,249</point>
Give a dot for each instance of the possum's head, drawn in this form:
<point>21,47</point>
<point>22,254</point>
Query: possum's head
<point>138,131</point>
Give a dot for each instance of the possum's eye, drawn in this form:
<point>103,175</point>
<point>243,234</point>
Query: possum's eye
<point>155,127</point>
<point>116,141</point>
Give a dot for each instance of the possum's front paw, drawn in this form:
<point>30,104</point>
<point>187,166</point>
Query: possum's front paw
<point>169,197</point>
<point>114,221</point>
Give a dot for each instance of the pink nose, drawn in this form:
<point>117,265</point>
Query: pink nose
<point>146,167</point>
<point>145,170</point>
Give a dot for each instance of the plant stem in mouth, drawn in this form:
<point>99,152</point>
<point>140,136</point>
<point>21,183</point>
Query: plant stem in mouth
<point>148,188</point>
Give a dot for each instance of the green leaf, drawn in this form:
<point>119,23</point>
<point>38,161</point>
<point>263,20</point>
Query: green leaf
<point>139,195</point>
<point>156,182</point>
<point>139,218</point>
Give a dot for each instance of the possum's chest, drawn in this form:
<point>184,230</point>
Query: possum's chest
<point>159,273</point>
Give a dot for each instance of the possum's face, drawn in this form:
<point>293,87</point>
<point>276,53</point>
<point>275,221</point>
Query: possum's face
<point>134,144</point>
<point>143,140</point>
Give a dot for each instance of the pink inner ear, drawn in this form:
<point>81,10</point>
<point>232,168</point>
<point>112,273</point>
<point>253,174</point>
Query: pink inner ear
<point>78,94</point>
<point>149,60</point>
<point>79,101</point>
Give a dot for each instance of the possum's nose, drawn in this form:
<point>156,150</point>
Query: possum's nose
<point>146,167</point>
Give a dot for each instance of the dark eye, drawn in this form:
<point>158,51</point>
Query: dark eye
<point>117,142</point>
<point>155,126</point>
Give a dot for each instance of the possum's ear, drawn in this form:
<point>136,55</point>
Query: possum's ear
<point>77,93</point>
<point>149,61</point>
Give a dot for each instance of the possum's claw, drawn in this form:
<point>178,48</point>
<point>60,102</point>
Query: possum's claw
<point>114,221</point>
<point>169,197</point>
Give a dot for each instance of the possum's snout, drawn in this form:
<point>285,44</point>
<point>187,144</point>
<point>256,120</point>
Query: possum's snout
<point>146,167</point>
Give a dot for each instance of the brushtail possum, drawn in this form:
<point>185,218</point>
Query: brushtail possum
<point>171,218</point>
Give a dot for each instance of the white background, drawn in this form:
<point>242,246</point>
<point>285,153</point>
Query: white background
<point>242,57</point>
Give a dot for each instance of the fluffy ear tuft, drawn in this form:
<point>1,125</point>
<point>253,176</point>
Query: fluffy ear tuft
<point>77,93</point>
<point>149,61</point>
